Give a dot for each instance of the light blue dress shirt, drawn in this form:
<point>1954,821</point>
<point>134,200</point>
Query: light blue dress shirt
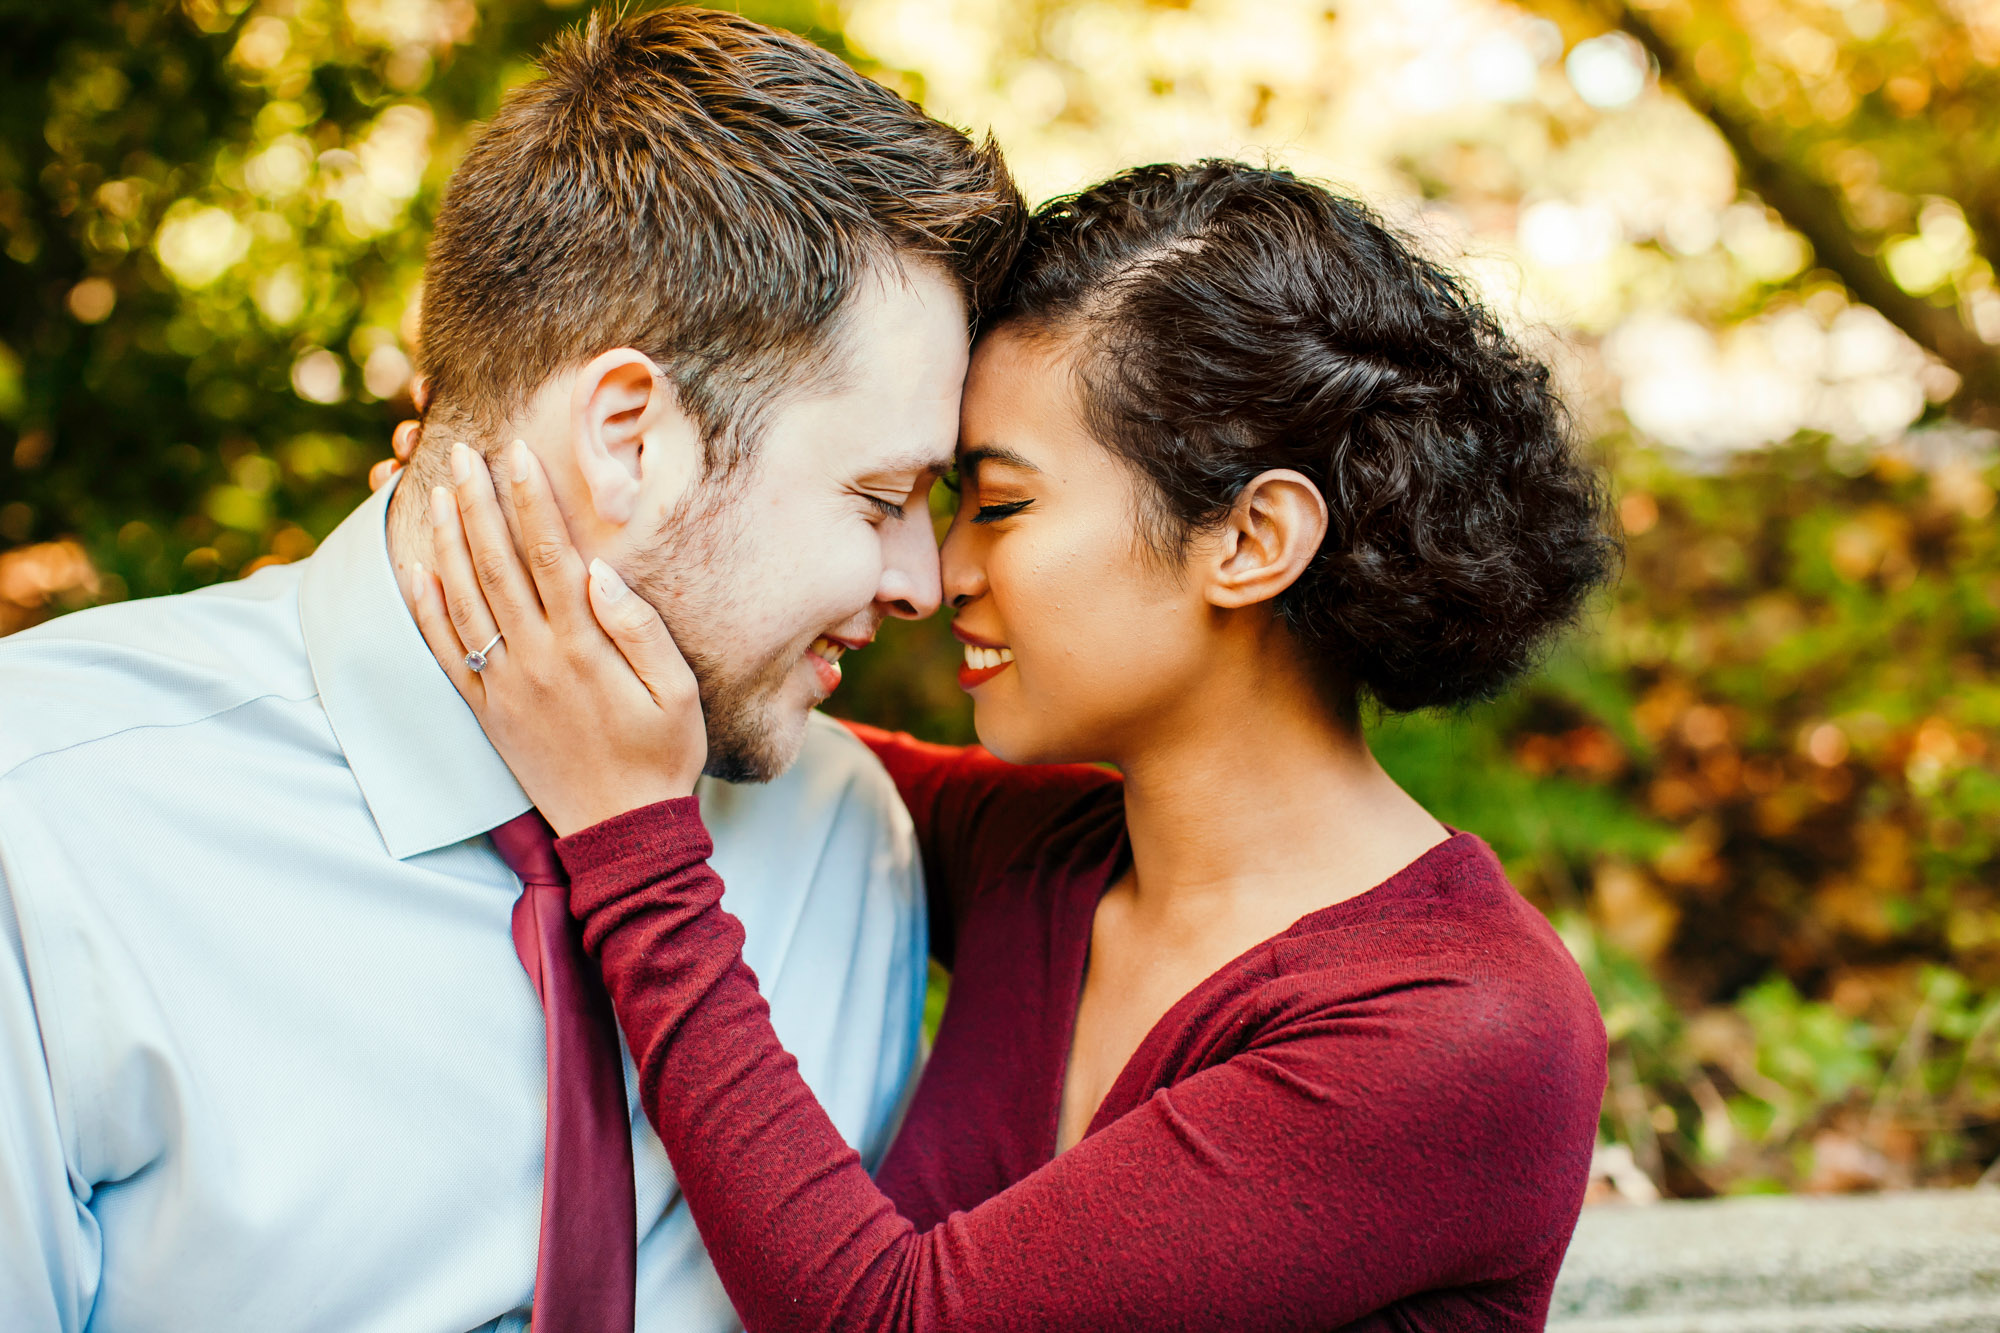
<point>267,1058</point>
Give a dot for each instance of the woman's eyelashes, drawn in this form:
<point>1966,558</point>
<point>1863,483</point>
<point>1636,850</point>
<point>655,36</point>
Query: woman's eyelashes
<point>993,513</point>
<point>954,482</point>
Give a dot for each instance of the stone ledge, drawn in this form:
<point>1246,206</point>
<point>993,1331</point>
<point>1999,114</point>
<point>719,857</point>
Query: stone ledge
<point>1915,1262</point>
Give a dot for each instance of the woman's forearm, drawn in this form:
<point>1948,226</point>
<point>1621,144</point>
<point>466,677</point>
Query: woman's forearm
<point>799,1233</point>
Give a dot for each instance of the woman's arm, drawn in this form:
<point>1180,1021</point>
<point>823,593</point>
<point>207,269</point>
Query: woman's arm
<point>1327,1171</point>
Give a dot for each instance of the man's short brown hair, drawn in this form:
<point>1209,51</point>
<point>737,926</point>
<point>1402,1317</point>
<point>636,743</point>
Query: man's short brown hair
<point>705,189</point>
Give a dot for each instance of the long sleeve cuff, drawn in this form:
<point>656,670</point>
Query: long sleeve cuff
<point>655,843</point>
<point>662,832</point>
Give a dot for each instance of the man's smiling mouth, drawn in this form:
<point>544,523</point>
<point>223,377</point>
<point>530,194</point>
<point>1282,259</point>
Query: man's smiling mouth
<point>825,653</point>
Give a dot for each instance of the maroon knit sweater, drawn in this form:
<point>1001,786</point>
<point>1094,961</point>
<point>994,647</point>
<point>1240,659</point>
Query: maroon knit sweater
<point>1380,1119</point>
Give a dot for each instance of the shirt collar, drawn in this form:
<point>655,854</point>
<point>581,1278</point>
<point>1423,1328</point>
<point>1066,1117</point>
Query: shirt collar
<point>428,773</point>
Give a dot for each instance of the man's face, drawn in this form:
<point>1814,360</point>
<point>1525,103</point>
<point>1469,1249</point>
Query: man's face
<point>800,555</point>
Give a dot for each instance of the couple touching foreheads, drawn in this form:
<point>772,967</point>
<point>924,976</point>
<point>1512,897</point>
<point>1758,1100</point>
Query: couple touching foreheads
<point>324,890</point>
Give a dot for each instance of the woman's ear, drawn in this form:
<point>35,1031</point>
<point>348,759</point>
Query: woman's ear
<point>1272,533</point>
<point>630,435</point>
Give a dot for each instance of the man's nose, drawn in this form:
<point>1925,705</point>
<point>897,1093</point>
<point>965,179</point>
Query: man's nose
<point>961,574</point>
<point>910,588</point>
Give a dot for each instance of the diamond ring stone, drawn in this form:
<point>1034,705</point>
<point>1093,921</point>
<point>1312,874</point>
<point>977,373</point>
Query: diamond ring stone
<point>477,659</point>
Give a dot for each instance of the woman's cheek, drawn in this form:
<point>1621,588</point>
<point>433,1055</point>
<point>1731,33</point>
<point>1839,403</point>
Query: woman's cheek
<point>1047,621</point>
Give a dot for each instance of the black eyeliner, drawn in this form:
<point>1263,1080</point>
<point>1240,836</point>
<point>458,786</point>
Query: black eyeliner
<point>994,513</point>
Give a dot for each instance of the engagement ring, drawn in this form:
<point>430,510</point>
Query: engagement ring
<point>476,659</point>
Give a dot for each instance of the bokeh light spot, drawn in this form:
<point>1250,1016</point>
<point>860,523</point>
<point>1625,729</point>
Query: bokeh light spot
<point>1609,71</point>
<point>197,244</point>
<point>317,376</point>
<point>92,300</point>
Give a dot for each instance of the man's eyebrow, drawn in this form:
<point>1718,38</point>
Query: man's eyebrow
<point>970,459</point>
<point>916,461</point>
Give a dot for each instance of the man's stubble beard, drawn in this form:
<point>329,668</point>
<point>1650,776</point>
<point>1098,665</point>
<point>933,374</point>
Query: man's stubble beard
<point>685,575</point>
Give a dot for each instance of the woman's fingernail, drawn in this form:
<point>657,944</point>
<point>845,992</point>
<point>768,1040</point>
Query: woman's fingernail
<point>417,581</point>
<point>440,504</point>
<point>461,463</point>
<point>610,588</point>
<point>517,461</point>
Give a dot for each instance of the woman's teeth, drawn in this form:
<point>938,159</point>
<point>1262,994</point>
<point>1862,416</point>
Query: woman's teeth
<point>980,659</point>
<point>827,648</point>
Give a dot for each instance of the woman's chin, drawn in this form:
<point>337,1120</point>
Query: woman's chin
<point>998,729</point>
<point>1011,732</point>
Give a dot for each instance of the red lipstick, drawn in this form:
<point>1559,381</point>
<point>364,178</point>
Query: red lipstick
<point>971,677</point>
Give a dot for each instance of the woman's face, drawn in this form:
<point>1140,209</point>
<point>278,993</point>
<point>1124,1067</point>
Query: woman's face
<point>1079,642</point>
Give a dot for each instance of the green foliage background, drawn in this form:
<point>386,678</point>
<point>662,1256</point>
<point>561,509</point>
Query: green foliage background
<point>1757,795</point>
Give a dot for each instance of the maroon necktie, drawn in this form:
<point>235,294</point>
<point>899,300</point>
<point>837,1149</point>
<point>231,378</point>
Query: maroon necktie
<point>589,1252</point>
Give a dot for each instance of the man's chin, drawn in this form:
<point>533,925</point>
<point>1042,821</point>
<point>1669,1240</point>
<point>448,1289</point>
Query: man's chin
<point>735,766</point>
<point>741,750</point>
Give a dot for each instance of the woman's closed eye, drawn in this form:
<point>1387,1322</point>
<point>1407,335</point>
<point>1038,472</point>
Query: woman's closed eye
<point>993,513</point>
<point>955,482</point>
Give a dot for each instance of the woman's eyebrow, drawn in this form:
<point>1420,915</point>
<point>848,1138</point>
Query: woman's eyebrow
<point>970,459</point>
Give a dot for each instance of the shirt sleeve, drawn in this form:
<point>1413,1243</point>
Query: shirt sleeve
<point>1316,1177</point>
<point>973,812</point>
<point>45,1283</point>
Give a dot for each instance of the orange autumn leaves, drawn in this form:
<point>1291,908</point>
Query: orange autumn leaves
<point>1797,688</point>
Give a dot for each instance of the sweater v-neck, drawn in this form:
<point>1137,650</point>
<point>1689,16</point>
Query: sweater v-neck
<point>1074,926</point>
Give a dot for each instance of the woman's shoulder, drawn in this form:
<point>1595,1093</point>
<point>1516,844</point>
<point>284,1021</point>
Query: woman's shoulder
<point>1452,904</point>
<point>1448,1007</point>
<point>990,787</point>
<point>1449,946</point>
<point>1064,856</point>
<point>1003,836</point>
<point>1434,1028</point>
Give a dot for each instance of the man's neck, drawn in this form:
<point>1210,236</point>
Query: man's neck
<point>410,528</point>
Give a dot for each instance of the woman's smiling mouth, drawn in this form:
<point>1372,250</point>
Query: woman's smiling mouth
<point>983,661</point>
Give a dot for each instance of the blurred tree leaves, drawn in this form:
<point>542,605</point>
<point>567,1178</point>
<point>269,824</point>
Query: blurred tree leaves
<point>1873,127</point>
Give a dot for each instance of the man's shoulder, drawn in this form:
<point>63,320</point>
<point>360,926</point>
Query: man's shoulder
<point>834,756</point>
<point>836,780</point>
<point>158,662</point>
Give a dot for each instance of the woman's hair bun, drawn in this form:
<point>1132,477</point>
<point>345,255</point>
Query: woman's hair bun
<point>1234,319</point>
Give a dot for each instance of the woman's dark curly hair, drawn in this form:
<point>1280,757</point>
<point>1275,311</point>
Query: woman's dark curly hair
<point>1230,320</point>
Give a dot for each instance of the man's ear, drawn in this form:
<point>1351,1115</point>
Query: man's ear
<point>1272,533</point>
<point>630,434</point>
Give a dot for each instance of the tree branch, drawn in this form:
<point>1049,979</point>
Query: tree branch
<point>1812,208</point>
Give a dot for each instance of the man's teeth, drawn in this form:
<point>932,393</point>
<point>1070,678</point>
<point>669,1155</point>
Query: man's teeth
<point>979,659</point>
<point>827,648</point>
